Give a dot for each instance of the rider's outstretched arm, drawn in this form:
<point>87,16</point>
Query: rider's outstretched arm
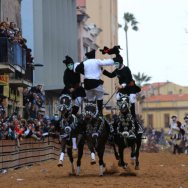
<point>110,74</point>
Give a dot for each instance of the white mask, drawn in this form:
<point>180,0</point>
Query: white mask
<point>117,65</point>
<point>70,66</point>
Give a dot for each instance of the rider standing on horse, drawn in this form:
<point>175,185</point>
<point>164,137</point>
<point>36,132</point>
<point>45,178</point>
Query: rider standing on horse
<point>126,83</point>
<point>91,69</point>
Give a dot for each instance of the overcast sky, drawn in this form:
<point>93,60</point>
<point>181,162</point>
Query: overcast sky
<point>160,47</point>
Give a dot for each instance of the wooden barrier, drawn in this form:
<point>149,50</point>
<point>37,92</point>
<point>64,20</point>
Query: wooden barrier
<point>29,152</point>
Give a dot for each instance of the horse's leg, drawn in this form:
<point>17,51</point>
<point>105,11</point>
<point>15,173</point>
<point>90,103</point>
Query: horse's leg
<point>101,162</point>
<point>91,148</point>
<point>133,154</point>
<point>115,151</point>
<point>69,153</point>
<point>61,158</point>
<point>137,151</point>
<point>121,157</point>
<point>80,154</point>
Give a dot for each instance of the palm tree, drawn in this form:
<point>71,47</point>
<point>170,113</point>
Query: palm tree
<point>141,78</point>
<point>129,19</point>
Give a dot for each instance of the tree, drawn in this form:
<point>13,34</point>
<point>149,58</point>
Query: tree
<point>141,78</point>
<point>129,20</point>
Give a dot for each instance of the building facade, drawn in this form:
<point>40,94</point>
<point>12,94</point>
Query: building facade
<point>14,70</point>
<point>161,101</point>
<point>10,11</point>
<point>104,15</point>
<point>55,36</point>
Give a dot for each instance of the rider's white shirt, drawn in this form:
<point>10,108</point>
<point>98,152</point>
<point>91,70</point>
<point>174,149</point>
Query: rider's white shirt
<point>92,67</point>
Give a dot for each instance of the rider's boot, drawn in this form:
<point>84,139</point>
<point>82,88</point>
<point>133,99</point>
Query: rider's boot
<point>75,110</point>
<point>60,163</point>
<point>100,107</point>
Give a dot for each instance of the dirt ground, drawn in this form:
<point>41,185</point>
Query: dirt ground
<point>162,169</point>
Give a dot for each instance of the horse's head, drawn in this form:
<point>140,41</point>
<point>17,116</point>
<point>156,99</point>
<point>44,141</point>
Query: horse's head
<point>124,104</point>
<point>65,104</point>
<point>90,111</point>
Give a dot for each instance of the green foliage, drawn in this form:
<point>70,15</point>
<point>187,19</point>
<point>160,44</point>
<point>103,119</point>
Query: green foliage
<point>129,18</point>
<point>141,78</point>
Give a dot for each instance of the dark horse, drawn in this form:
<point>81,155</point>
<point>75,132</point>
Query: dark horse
<point>96,134</point>
<point>68,126</point>
<point>122,125</point>
<point>71,125</point>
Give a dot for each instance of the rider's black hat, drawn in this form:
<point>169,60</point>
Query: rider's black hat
<point>68,60</point>
<point>91,54</point>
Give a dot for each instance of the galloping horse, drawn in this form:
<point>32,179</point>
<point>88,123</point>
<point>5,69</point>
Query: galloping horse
<point>122,126</point>
<point>96,134</point>
<point>68,124</point>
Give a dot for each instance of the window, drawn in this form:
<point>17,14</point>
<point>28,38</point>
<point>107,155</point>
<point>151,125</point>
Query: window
<point>150,120</point>
<point>166,120</point>
<point>170,92</point>
<point>1,90</point>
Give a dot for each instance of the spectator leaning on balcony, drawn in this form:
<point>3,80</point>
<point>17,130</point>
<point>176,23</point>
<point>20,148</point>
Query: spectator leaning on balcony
<point>91,68</point>
<point>3,31</point>
<point>72,84</point>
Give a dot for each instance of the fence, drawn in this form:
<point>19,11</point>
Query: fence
<point>30,152</point>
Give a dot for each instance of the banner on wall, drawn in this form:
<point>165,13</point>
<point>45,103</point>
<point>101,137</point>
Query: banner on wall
<point>4,79</point>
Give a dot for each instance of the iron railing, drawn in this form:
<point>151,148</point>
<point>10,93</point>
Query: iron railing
<point>11,53</point>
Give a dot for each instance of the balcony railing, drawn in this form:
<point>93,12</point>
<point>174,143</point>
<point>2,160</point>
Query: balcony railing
<point>11,53</point>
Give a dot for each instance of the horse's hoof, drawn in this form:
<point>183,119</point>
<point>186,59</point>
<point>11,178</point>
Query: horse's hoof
<point>60,164</point>
<point>93,162</point>
<point>125,166</point>
<point>72,174</point>
<point>137,168</point>
<point>133,160</point>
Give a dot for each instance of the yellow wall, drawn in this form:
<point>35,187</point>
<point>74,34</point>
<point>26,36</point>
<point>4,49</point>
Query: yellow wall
<point>158,109</point>
<point>103,13</point>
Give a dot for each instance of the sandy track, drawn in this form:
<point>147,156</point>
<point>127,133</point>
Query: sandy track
<point>163,170</point>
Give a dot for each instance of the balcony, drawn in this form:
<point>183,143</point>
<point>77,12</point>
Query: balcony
<point>12,55</point>
<point>17,79</point>
<point>13,61</point>
<point>6,56</point>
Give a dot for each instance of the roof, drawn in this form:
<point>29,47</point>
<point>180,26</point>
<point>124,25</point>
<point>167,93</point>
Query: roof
<point>153,85</point>
<point>167,98</point>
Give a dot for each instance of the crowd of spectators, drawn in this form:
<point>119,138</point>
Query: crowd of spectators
<point>17,128</point>
<point>14,34</point>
